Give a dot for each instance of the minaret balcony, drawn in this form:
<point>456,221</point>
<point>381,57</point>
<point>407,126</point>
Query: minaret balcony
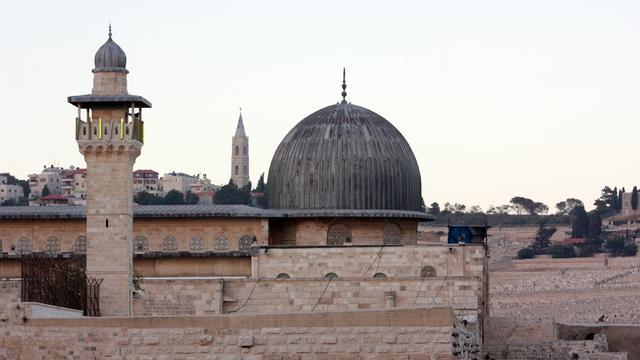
<point>110,130</point>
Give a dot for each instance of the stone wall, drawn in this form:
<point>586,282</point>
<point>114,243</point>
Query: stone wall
<point>387,334</point>
<point>502,330</point>
<point>392,261</point>
<point>273,296</point>
<point>621,338</point>
<point>183,297</point>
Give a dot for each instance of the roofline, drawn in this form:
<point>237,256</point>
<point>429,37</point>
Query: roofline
<point>69,212</point>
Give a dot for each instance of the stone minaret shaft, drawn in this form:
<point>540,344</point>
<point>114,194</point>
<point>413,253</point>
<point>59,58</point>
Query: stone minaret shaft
<point>240,156</point>
<point>110,136</point>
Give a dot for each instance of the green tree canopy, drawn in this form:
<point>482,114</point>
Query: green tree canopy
<point>261,187</point>
<point>174,197</point>
<point>145,198</point>
<point>45,191</point>
<point>191,198</point>
<point>566,207</point>
<point>434,209</point>
<point>523,205</point>
<point>231,194</point>
<point>543,238</point>
<point>579,222</point>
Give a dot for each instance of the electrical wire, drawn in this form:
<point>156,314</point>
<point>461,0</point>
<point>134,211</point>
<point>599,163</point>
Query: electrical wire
<point>247,299</point>
<point>322,295</point>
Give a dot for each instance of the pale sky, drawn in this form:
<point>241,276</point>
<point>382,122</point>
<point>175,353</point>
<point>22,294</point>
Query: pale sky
<point>496,98</point>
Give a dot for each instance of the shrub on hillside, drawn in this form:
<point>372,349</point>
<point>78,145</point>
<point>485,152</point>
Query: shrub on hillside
<point>526,253</point>
<point>630,249</point>
<point>562,251</point>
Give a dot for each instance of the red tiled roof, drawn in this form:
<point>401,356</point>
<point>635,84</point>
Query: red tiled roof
<point>574,241</point>
<point>145,171</point>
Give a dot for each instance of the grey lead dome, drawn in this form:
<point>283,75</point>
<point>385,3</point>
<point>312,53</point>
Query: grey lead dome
<point>110,57</point>
<point>344,157</point>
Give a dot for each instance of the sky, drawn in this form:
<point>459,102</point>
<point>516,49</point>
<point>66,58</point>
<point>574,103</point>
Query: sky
<point>496,98</point>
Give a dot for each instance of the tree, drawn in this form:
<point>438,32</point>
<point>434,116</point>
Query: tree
<point>525,205</point>
<point>434,209</point>
<point>191,198</point>
<point>543,238</point>
<point>594,225</point>
<point>230,194</point>
<point>174,197</point>
<point>634,198</point>
<point>579,222</point>
<point>455,208</point>
<point>475,209</point>
<point>45,191</point>
<point>261,187</point>
<point>607,200</point>
<point>615,245</point>
<point>145,198</point>
<point>566,207</point>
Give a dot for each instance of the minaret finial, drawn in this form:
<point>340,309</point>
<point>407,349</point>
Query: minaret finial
<point>109,29</point>
<point>344,85</point>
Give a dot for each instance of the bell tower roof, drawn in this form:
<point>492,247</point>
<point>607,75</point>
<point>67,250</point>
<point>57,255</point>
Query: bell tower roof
<point>240,128</point>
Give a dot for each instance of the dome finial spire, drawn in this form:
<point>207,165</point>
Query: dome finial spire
<point>109,29</point>
<point>344,85</point>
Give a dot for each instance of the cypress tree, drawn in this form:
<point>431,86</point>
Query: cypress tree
<point>634,198</point>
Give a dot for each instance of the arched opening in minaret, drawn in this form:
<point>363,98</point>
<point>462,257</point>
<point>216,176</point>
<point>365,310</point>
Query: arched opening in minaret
<point>236,170</point>
<point>244,150</point>
<point>237,150</point>
<point>244,169</point>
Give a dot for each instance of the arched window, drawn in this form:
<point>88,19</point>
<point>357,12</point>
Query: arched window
<point>392,234</point>
<point>237,150</point>
<point>245,241</point>
<point>198,244</point>
<point>84,131</point>
<point>53,245</point>
<point>428,271</point>
<point>140,244</point>
<point>170,244</point>
<point>80,244</point>
<point>236,170</point>
<point>221,243</point>
<point>283,276</point>
<point>244,169</point>
<point>330,275</point>
<point>379,276</point>
<point>338,234</point>
<point>23,246</point>
<point>95,130</point>
<point>244,150</point>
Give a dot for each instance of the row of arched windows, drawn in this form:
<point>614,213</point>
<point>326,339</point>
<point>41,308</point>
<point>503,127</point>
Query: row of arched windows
<point>197,244</point>
<point>340,233</point>
<point>52,245</point>
<point>425,271</point>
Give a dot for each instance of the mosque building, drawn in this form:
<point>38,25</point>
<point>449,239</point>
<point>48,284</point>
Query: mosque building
<point>339,237</point>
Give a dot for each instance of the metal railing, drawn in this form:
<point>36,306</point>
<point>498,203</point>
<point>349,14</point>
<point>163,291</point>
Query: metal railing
<point>60,282</point>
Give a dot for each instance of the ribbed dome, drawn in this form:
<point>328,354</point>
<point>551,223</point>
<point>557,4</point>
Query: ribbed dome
<point>344,157</point>
<point>110,57</point>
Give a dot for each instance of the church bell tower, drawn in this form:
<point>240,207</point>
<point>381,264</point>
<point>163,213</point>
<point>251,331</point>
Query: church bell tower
<point>240,155</point>
<point>110,134</point>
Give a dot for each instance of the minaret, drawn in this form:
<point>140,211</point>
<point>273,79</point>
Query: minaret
<point>109,131</point>
<point>240,155</point>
